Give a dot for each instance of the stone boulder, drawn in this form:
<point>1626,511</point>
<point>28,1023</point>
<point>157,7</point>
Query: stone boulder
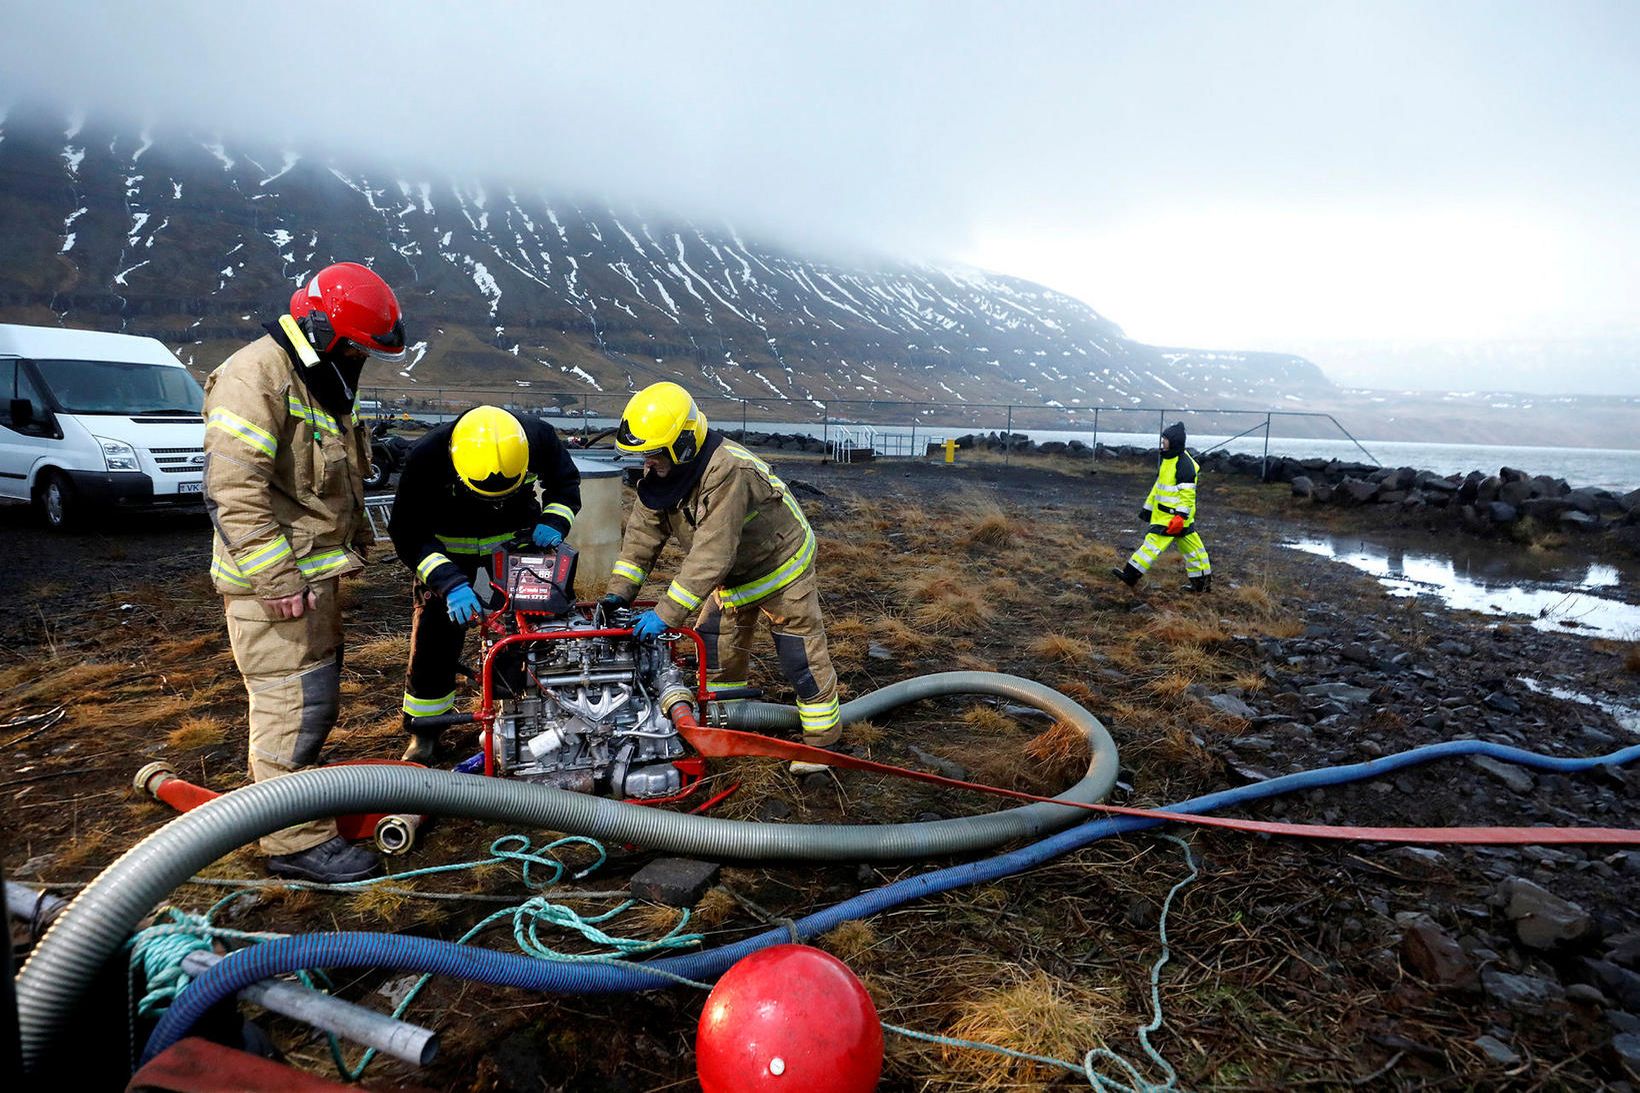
<point>1354,491</point>
<point>1303,486</point>
<point>1501,512</point>
<point>1542,919</point>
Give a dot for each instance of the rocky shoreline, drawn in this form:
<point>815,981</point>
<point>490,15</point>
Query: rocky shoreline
<point>1511,501</point>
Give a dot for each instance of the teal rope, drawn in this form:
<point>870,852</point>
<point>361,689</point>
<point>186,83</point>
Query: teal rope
<point>159,950</point>
<point>1136,1082</point>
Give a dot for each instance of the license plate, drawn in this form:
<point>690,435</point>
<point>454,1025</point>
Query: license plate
<point>190,487</point>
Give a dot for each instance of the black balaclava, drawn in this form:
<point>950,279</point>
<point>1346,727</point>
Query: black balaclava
<point>665,494</point>
<point>334,382</point>
<point>1174,435</point>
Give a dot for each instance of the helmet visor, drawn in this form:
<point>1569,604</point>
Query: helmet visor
<point>386,347</point>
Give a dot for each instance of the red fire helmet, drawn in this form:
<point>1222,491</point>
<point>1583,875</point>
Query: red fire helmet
<point>348,302</point>
<point>789,1018</point>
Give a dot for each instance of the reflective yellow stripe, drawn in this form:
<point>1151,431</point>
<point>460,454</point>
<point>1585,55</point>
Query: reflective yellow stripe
<point>241,429</point>
<point>313,415</point>
<point>818,716</point>
<point>222,570</point>
<point>430,563</point>
<point>681,595</point>
<point>485,544</point>
<point>275,551</point>
<point>724,685</point>
<point>315,564</point>
<point>773,582</point>
<point>556,509</point>
<point>427,707</point>
<point>630,572</point>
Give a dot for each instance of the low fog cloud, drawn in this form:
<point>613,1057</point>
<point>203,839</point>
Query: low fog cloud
<point>1079,144</point>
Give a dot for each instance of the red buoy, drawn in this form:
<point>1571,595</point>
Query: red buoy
<point>789,1018</point>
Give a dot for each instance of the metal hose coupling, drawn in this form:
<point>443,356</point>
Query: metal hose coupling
<point>676,693</point>
<point>396,834</point>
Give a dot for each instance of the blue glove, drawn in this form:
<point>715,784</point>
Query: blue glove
<point>462,603</point>
<point>649,625</point>
<point>546,536</point>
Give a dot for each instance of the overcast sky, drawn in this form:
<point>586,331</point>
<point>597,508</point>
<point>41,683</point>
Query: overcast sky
<point>1275,175</point>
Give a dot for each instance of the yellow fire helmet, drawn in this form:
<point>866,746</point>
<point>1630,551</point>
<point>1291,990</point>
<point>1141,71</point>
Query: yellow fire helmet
<point>662,418</point>
<point>489,451</point>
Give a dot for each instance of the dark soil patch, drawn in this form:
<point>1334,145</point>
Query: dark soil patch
<point>1289,959</point>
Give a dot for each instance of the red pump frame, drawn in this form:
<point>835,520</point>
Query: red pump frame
<point>485,715</point>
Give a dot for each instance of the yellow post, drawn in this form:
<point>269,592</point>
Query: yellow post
<point>950,450</point>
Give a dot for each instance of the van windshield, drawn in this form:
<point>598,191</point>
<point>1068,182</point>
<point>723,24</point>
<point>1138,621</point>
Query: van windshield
<point>117,387</point>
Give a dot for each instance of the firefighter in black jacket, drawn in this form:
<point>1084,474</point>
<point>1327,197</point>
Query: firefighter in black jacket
<point>467,488</point>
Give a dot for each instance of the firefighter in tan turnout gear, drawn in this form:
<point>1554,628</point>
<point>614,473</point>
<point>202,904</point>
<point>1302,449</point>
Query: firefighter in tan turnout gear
<point>285,458</point>
<point>749,553</point>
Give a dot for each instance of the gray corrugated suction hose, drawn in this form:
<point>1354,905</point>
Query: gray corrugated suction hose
<point>94,926</point>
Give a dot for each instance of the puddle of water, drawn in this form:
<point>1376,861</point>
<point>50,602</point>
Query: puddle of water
<point>1555,602</point>
<point>1626,716</point>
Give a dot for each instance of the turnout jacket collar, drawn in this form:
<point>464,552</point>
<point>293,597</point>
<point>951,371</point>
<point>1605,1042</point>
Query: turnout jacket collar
<point>666,494</point>
<point>743,535</point>
<point>284,477</point>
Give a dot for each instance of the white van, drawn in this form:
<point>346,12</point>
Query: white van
<point>91,422</point>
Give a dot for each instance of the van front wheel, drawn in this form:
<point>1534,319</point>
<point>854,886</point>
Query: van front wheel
<point>58,504</point>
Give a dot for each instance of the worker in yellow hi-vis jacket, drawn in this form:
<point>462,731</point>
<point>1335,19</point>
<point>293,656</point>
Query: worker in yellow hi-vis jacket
<point>749,554</point>
<point>1170,510</point>
<point>285,458</point>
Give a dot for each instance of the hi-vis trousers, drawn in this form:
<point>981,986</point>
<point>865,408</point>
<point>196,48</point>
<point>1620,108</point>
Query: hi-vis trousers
<point>293,674</point>
<point>799,641</point>
<point>1191,546</point>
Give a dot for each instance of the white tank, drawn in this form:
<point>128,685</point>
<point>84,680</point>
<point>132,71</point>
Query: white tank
<point>596,533</point>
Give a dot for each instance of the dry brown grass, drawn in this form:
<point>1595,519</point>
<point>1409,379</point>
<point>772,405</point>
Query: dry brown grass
<point>863,732</point>
<point>55,681</point>
<point>1060,649</point>
<point>1037,1014</point>
<point>1008,590</point>
<point>852,943</point>
<point>990,721</point>
<point>1252,682</point>
<point>376,902</point>
<point>968,662</point>
<point>1061,750</point>
<point>1254,596</point>
<point>647,920</point>
<point>953,611</point>
<point>1173,627</point>
<point>937,582</point>
<point>714,908</point>
<point>993,529</point>
<point>760,779</point>
<point>1077,691</point>
<point>897,635</point>
<point>382,654</point>
<point>1170,685</point>
<point>155,711</point>
<point>198,731</point>
<point>1631,660</point>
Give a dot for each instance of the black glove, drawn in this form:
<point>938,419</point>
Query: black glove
<point>1144,516</point>
<point>611,604</point>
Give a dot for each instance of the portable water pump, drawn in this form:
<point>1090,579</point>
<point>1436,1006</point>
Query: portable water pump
<point>569,697</point>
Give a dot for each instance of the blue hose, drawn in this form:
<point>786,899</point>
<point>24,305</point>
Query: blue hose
<point>344,950</point>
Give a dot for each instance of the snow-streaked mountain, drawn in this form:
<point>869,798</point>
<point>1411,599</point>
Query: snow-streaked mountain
<point>197,239</point>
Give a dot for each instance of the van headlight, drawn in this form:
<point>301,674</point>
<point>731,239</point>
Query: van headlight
<point>119,455</point>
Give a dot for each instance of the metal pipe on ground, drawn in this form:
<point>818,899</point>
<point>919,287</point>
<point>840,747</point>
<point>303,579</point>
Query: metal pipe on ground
<point>413,1044</point>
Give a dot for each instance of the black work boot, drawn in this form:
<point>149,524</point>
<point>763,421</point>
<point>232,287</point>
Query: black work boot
<point>1128,575</point>
<point>423,747</point>
<point>334,861</point>
<point>1203,583</point>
